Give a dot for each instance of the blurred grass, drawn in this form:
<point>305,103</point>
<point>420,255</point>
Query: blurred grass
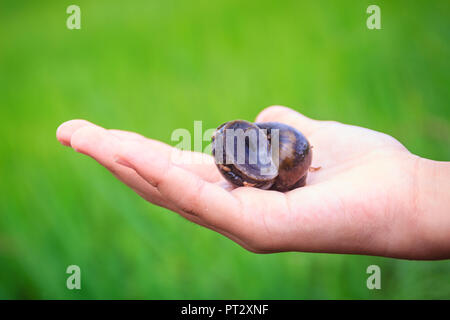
<point>154,66</point>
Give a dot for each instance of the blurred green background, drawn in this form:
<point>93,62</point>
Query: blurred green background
<point>154,66</point>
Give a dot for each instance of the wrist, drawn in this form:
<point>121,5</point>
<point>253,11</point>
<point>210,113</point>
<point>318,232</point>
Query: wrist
<point>432,207</point>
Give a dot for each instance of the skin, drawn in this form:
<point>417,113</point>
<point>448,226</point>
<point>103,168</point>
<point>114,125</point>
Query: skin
<point>371,195</point>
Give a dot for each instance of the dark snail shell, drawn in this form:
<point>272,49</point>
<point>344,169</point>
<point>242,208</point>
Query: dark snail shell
<point>266,155</point>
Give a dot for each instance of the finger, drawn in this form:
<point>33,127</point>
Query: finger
<point>212,204</point>
<point>143,191</point>
<point>97,136</point>
<point>199,163</point>
<point>66,130</point>
<point>289,117</point>
<point>97,143</point>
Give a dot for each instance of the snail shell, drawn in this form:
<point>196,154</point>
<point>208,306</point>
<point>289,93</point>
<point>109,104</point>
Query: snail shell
<point>266,155</point>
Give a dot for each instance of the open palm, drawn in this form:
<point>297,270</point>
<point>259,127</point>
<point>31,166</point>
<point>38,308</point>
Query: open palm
<point>346,206</point>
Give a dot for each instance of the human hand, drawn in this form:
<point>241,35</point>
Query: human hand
<point>371,195</point>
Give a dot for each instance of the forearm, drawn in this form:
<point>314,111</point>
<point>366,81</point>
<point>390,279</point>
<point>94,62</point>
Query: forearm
<point>432,196</point>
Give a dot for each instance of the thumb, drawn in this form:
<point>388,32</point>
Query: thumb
<point>290,117</point>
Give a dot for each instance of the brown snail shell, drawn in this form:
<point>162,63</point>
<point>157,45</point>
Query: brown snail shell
<point>266,155</point>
